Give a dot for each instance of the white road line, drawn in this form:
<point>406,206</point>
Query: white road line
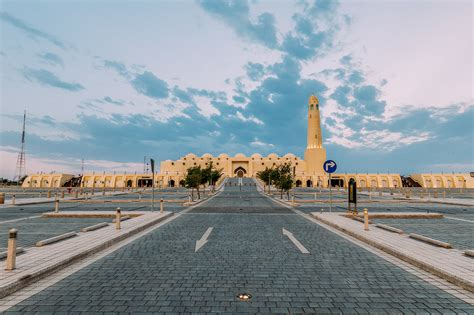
<point>295,241</point>
<point>200,243</point>
<point>451,218</point>
<point>16,220</point>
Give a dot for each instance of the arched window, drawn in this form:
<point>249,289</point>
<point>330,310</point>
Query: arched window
<point>311,107</point>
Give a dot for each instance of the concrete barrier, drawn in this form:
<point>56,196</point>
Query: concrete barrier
<point>94,227</point>
<point>429,240</point>
<point>122,218</point>
<point>55,239</point>
<point>388,228</point>
<point>469,253</point>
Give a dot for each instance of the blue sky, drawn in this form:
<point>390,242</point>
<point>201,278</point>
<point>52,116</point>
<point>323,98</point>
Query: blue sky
<point>114,81</point>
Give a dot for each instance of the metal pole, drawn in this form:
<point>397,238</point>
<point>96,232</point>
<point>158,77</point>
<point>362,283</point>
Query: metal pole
<point>153,190</point>
<point>330,193</point>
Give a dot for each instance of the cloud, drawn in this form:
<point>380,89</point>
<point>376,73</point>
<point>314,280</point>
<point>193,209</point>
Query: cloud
<point>51,58</point>
<point>235,13</point>
<point>148,84</point>
<point>47,78</point>
<point>117,66</point>
<point>109,100</point>
<point>259,144</point>
<point>255,71</point>
<point>313,33</point>
<point>35,33</point>
<point>250,118</point>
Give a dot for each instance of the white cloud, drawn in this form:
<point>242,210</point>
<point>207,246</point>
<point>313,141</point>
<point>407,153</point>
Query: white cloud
<point>250,118</point>
<point>259,144</point>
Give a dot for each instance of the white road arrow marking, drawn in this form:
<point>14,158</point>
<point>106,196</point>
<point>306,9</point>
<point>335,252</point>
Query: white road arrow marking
<point>295,241</point>
<point>200,243</point>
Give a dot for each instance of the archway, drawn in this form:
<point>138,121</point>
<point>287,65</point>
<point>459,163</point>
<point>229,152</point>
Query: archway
<point>182,183</point>
<point>172,183</point>
<point>309,183</point>
<point>129,183</point>
<point>240,172</point>
<point>298,183</point>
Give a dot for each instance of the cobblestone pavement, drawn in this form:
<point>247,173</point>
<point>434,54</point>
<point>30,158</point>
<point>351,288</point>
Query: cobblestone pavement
<point>457,226</point>
<point>33,230</point>
<point>459,233</point>
<point>246,252</point>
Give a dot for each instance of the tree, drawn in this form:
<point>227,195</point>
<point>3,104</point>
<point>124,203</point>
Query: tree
<point>193,179</point>
<point>284,180</point>
<point>211,175</point>
<point>269,176</point>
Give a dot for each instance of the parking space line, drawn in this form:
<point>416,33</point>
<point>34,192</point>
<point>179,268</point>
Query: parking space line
<point>458,219</point>
<point>21,219</point>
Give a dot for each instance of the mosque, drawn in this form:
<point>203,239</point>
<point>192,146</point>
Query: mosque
<point>308,172</point>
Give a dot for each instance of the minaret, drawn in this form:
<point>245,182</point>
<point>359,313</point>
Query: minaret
<point>315,154</point>
<point>314,124</point>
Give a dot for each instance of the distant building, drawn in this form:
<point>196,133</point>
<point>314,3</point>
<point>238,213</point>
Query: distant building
<point>308,172</point>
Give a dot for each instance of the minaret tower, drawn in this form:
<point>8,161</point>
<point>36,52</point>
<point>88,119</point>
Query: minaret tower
<point>315,154</point>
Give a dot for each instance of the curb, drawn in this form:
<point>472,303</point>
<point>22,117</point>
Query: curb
<point>40,274</point>
<point>469,286</point>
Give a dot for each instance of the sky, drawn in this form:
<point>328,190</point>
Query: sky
<point>111,82</point>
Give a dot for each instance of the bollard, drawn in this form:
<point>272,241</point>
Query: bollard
<point>11,251</point>
<point>56,205</point>
<point>92,192</point>
<point>315,196</point>
<point>76,194</point>
<point>161,205</point>
<point>13,199</point>
<point>82,191</point>
<point>62,194</point>
<point>2,198</point>
<point>366,219</point>
<point>103,192</point>
<point>117,219</point>
<point>140,196</point>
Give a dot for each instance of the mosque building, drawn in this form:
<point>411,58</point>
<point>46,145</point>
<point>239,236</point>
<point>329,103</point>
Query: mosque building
<point>308,172</point>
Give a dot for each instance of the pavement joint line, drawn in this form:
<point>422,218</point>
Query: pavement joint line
<point>426,276</point>
<point>50,279</point>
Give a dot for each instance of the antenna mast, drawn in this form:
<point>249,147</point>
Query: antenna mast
<point>21,162</point>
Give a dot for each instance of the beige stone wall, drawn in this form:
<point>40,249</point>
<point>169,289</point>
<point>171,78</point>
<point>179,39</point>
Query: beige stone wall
<point>46,180</point>
<point>444,180</point>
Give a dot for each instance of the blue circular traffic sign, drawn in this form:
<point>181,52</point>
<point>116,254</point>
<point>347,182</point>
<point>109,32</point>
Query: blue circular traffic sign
<point>329,166</point>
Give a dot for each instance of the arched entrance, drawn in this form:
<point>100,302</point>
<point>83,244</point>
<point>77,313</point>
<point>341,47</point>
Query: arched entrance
<point>172,183</point>
<point>240,171</point>
<point>129,183</point>
<point>309,183</point>
<point>298,183</point>
<point>182,183</point>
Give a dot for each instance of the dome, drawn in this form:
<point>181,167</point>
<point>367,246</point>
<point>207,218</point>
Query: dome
<point>207,156</point>
<point>240,155</point>
<point>289,155</point>
<point>256,156</point>
<point>272,156</point>
<point>223,156</point>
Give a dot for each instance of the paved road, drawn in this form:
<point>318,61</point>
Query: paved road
<point>246,252</point>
